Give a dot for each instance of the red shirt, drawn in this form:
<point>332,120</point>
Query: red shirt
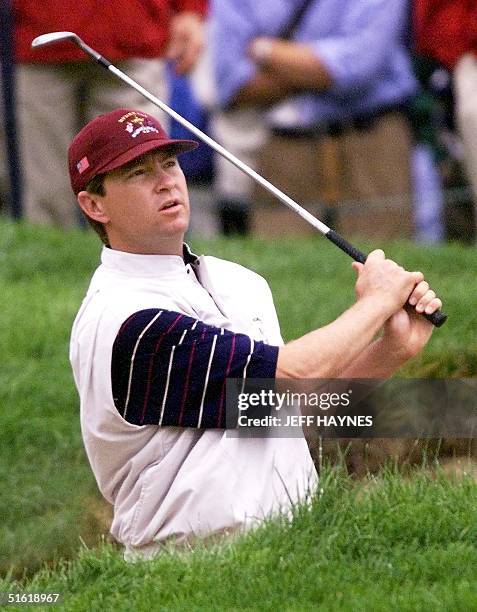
<point>445,29</point>
<point>118,29</point>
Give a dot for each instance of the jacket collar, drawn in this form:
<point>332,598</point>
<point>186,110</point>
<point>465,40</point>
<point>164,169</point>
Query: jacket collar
<point>147,265</point>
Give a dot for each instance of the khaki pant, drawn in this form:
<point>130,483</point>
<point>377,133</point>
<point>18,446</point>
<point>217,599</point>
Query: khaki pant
<point>49,116</point>
<point>360,179</point>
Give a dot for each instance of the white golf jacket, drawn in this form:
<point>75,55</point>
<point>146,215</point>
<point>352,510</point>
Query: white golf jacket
<point>168,481</point>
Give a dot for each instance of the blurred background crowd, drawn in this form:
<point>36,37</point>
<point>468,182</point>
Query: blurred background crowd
<point>364,111</point>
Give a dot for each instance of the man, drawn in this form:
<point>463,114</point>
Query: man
<point>160,331</point>
<point>59,88</point>
<point>328,84</point>
<point>447,33</point>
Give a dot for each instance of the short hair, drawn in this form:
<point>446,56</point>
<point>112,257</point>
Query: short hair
<point>96,186</point>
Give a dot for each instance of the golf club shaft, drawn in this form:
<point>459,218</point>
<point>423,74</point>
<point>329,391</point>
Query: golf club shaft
<point>321,227</point>
<point>438,318</point>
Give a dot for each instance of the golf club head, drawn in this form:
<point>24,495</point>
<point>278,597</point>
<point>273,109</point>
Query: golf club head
<point>54,37</point>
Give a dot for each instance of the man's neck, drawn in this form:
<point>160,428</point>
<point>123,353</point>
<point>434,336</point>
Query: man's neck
<point>159,247</point>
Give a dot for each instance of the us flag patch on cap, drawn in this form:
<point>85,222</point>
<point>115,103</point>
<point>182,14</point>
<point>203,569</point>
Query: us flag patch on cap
<point>82,165</point>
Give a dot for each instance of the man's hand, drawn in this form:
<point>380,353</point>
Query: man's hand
<point>383,281</point>
<point>407,332</point>
<point>186,41</point>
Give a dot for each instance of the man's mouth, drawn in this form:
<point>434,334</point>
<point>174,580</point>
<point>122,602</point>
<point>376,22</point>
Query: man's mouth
<point>169,205</point>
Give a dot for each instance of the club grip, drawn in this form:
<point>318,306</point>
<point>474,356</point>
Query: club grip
<point>437,318</point>
<point>346,246</point>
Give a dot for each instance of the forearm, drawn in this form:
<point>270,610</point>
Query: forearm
<point>329,351</point>
<point>284,69</point>
<point>262,90</point>
<point>404,335</point>
<point>296,66</point>
<point>343,347</point>
<point>375,361</point>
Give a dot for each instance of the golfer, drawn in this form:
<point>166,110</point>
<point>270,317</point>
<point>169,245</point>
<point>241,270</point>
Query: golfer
<point>160,330</point>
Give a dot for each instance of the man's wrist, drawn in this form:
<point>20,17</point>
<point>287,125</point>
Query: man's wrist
<point>377,308</point>
<point>394,355</point>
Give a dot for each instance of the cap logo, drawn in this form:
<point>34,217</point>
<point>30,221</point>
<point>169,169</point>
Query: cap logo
<point>114,139</point>
<point>137,124</point>
<point>82,165</point>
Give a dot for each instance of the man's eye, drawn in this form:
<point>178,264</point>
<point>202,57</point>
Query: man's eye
<point>137,172</point>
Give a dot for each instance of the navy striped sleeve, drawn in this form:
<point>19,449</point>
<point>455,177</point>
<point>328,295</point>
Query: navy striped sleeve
<point>169,369</point>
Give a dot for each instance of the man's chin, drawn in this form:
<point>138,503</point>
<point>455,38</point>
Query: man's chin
<point>175,229</point>
<point>180,226</point>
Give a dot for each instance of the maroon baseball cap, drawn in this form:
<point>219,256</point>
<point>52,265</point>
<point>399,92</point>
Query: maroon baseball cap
<point>112,140</point>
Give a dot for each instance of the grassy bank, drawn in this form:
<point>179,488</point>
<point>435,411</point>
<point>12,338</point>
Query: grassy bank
<point>48,498</point>
<point>392,544</point>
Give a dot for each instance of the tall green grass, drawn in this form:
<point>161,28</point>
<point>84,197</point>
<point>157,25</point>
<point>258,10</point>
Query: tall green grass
<point>48,497</point>
<point>392,544</point>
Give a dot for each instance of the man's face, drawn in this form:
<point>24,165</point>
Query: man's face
<point>146,203</point>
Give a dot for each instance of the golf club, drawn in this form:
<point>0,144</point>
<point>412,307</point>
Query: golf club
<point>438,318</point>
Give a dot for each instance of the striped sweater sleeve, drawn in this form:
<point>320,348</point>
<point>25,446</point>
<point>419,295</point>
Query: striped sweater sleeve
<point>169,369</point>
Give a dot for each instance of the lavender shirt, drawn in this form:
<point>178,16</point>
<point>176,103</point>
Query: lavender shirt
<point>361,42</point>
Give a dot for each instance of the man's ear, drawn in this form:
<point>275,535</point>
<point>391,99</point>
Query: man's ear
<point>92,206</point>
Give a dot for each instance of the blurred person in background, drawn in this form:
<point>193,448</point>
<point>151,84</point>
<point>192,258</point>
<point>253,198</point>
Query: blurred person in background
<point>60,88</point>
<point>446,31</point>
<point>330,81</point>
<point>427,121</point>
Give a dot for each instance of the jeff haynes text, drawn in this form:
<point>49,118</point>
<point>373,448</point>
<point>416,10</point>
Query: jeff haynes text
<point>300,420</point>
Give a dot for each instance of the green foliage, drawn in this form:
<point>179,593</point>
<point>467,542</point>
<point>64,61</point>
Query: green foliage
<point>385,544</point>
<point>45,479</point>
<point>48,497</point>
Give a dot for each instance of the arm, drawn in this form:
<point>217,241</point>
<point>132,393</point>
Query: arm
<point>353,56</point>
<point>292,64</point>
<point>169,369</point>
<point>262,90</point>
<point>284,68</point>
<point>325,352</point>
<point>344,349</point>
<point>186,40</point>
<point>239,79</point>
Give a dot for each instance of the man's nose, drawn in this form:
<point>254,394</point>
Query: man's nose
<point>164,180</point>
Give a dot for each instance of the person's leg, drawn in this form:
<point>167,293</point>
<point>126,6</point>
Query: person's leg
<point>465,79</point>
<point>243,133</point>
<point>377,177</point>
<point>428,195</point>
<point>105,92</point>
<point>46,103</point>
<point>305,169</point>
